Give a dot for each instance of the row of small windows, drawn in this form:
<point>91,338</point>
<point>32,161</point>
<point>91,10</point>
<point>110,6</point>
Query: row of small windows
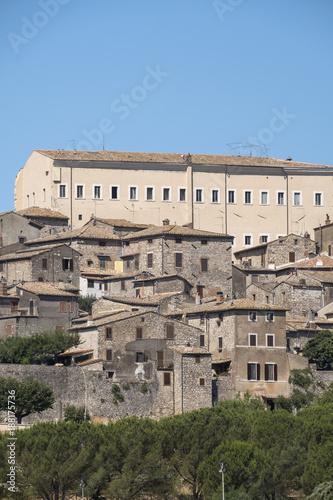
<point>178,261</point>
<point>166,195</point>
<point>169,332</point>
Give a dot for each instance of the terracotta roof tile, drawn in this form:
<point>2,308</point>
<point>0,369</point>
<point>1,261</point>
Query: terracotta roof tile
<point>228,305</point>
<point>174,231</point>
<point>173,158</point>
<point>26,254</point>
<point>44,288</point>
<point>123,223</point>
<point>88,232</point>
<point>42,212</point>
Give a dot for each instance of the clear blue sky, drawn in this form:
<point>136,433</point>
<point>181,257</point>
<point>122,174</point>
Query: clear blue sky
<point>178,76</point>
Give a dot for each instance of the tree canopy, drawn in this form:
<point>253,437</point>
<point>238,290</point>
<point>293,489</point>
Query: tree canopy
<point>40,348</point>
<point>319,350</point>
<point>30,396</point>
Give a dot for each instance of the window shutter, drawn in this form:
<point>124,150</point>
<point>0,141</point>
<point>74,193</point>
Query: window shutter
<point>220,342</point>
<point>202,340</point>
<point>266,372</point>
<point>248,371</point>
<point>275,373</point>
<point>258,371</point>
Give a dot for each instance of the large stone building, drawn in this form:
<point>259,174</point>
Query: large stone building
<point>254,199</point>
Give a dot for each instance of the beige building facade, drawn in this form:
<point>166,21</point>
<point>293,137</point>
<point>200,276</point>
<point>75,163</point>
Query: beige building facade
<point>254,199</point>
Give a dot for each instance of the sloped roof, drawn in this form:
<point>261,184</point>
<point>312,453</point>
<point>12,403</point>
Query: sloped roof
<point>174,230</point>
<point>190,350</point>
<point>45,288</point>
<point>136,301</point>
<point>268,243</point>
<point>85,232</point>
<point>238,304</point>
<point>122,223</point>
<point>173,158</point>
<point>28,253</point>
<point>42,212</point>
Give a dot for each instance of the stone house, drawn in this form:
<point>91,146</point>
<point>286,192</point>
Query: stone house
<point>120,227</point>
<point>323,236</point>
<point>147,346</point>
<point>201,257</point>
<point>49,263</point>
<point>248,341</point>
<point>35,307</point>
<point>272,254</point>
<point>14,228</point>
<point>99,249</point>
<point>51,221</point>
<point>301,329</point>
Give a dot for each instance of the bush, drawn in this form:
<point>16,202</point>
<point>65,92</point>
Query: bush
<point>73,414</point>
<point>86,302</point>
<point>144,388</point>
<point>117,395</point>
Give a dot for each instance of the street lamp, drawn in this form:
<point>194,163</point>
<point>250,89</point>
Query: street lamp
<point>223,470</point>
<point>83,484</point>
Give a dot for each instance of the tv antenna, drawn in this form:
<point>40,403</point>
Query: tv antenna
<point>247,145</point>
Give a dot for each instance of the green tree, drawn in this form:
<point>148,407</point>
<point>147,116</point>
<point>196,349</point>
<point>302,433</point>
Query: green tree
<point>40,348</point>
<point>324,491</point>
<point>86,302</point>
<point>27,396</point>
<point>319,350</point>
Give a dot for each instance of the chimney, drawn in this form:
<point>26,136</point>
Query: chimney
<point>198,299</point>
<point>3,286</point>
<point>144,275</point>
<point>327,222</point>
<point>166,222</point>
<point>219,298</point>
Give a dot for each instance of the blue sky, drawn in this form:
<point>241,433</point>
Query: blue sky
<point>178,76</point>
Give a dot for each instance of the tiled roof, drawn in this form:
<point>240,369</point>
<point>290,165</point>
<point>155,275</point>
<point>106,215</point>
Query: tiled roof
<point>322,276</point>
<point>228,305</point>
<point>43,288</point>
<point>28,253</point>
<point>76,353</point>
<point>87,232</point>
<point>107,275</point>
<point>161,278</point>
<point>123,223</point>
<point>90,361</point>
<point>42,212</point>
<point>136,301</point>
<point>318,262</point>
<point>173,158</point>
<point>190,350</point>
<point>174,231</point>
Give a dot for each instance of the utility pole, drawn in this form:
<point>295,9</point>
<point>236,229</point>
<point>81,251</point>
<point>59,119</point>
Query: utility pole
<point>223,470</point>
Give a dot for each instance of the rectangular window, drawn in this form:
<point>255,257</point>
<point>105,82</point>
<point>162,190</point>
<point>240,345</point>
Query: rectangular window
<point>108,333</point>
<point>297,198</point>
<point>133,193</point>
<point>122,285</point>
<point>318,199</point>
<point>44,263</point>
<point>150,193</point>
<point>179,259</point>
<point>252,316</point>
<point>167,378</point>
<point>72,307</point>
<point>247,240</point>
<point>62,190</point>
<point>149,260</point>
<point>169,331</point>
<point>280,198</point>
<point>253,371</point>
<point>9,329</point>
<point>270,317</point>
<point>102,261</point>
<point>139,333</point>
<point>178,240</point>
<point>270,372</point>
<point>199,195</point>
<point>13,306</point>
<point>80,191</point>
<point>91,283</point>
<point>270,340</point>
<point>248,197</point>
<point>114,192</point>
<point>166,194</point>
<point>204,265</point>
<point>181,194</point>
<point>202,340</point>
<point>220,343</point>
<point>136,262</point>
<point>252,339</point>
<point>67,264</point>
<point>291,256</point>
<point>62,307</point>
<point>264,198</point>
<point>201,381</point>
<point>263,238</point>
<point>215,196</point>
<point>108,354</point>
<point>197,359</point>
<point>231,196</point>
<point>97,192</point>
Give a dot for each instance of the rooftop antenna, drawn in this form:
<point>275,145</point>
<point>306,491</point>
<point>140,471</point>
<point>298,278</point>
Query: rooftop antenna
<point>247,145</point>
<point>73,141</point>
<point>103,142</point>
